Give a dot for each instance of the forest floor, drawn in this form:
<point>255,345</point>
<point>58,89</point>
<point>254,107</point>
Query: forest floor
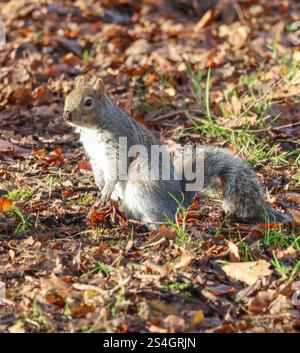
<point>59,270</point>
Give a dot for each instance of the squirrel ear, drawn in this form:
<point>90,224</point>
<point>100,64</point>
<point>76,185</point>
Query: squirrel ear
<point>80,81</point>
<point>99,86</point>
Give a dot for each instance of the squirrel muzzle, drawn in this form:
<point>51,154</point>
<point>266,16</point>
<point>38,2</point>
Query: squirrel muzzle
<point>68,116</point>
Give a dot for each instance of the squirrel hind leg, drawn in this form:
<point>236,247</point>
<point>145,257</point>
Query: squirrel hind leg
<point>147,203</point>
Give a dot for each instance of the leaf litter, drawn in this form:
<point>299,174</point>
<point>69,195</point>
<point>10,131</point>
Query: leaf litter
<point>66,268</point>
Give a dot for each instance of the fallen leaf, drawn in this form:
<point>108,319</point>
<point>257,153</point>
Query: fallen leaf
<point>276,226</point>
<point>236,105</point>
<point>185,261</point>
<point>174,322</point>
<point>261,301</point>
<point>12,254</point>
<point>234,255</point>
<point>5,204</point>
<point>55,299</point>
<point>222,289</point>
<point>81,310</point>
<point>296,215</point>
<point>162,307</point>
<point>157,329</point>
<point>18,327</point>
<point>84,165</point>
<point>247,272</point>
<point>293,196</point>
<point>21,96</point>
<point>197,317</point>
<point>204,20</point>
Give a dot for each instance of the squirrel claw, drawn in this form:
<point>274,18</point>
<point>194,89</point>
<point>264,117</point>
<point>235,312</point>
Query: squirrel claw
<point>104,199</point>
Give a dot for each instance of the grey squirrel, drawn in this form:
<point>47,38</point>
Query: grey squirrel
<point>101,124</point>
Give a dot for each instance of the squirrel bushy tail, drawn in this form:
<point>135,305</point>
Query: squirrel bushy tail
<point>243,196</point>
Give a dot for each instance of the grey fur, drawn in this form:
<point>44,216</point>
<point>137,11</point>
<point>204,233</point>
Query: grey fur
<point>149,200</point>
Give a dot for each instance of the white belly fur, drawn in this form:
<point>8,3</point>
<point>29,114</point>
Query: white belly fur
<point>96,149</point>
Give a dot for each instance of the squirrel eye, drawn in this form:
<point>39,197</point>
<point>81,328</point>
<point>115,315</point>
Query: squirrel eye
<point>88,102</point>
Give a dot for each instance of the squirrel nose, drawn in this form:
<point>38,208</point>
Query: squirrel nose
<point>68,115</point>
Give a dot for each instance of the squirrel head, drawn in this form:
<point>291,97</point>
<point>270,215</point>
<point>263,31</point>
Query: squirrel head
<point>84,104</point>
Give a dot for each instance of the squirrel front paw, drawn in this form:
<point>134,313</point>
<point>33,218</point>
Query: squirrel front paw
<point>105,195</point>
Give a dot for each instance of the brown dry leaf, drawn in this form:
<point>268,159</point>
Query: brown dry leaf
<point>236,105</point>
<point>21,96</point>
<point>53,282</point>
<point>247,272</point>
<point>18,327</point>
<point>140,46</point>
<point>185,261</point>
<point>280,304</point>
<point>162,307</point>
<point>55,299</point>
<point>28,241</point>
<point>71,45</point>
<point>5,146</point>
<point>170,91</point>
<point>21,75</point>
<point>234,255</point>
<point>174,322</point>
<point>296,215</point>
<point>222,289</point>
<point>81,310</point>
<point>129,245</point>
<point>12,254</point>
<point>293,196</point>
<point>261,301</point>
<point>237,34</point>
<point>289,252</point>
<point>157,329</point>
<point>13,150</point>
<point>197,317</point>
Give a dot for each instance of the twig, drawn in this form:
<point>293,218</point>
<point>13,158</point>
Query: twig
<point>238,10</point>
<point>176,112</point>
<point>143,223</point>
<point>272,128</point>
<point>153,243</point>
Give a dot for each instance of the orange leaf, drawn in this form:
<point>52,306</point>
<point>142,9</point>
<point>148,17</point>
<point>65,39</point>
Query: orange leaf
<point>84,165</point>
<point>97,218</point>
<point>58,150</point>
<point>82,310</point>
<point>150,79</point>
<point>5,204</point>
<point>197,317</point>
<point>275,226</point>
<point>68,193</point>
<point>163,228</point>
<point>195,204</point>
<point>52,69</point>
<point>40,153</point>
